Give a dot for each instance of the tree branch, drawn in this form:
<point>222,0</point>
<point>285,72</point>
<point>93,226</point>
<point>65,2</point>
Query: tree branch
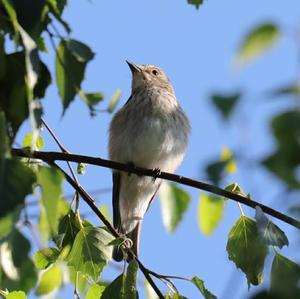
<point>56,156</point>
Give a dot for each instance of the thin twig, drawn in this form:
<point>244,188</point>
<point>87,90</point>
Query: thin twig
<point>55,156</point>
<point>90,201</point>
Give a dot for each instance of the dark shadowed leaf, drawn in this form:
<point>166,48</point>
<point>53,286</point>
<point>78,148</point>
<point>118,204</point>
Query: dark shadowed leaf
<point>56,7</point>
<point>269,233</point>
<point>197,3</point>
<point>199,283</point>
<point>89,253</point>
<point>13,96</point>
<point>285,277</point>
<point>257,41</point>
<point>43,81</point>
<point>50,280</point>
<point>215,171</point>
<point>225,103</point>
<point>115,289</point>
<point>246,251</point>
<point>82,52</point>
<point>174,203</point>
<point>16,181</point>
<point>210,212</point>
<point>50,180</point>
<point>95,291</point>
<point>18,269</point>
<point>284,161</point>
<point>69,73</point>
<point>4,140</point>
<point>91,99</point>
<point>45,257</point>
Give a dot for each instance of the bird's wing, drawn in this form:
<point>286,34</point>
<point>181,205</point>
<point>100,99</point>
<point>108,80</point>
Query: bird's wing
<point>115,200</point>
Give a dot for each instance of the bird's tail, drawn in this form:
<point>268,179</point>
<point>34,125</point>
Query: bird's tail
<point>134,235</point>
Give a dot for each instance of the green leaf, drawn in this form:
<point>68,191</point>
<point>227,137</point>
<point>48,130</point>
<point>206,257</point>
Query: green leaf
<point>82,52</point>
<point>95,291</point>
<point>16,182</point>
<point>257,41</point>
<point>246,251</point>
<point>235,188</point>
<point>226,103</point>
<point>117,241</point>
<point>81,168</point>
<point>197,3</point>
<point>49,281</point>
<point>7,223</point>
<point>215,171</point>
<point>284,161</point>
<point>89,253</point>
<point>130,283</point>
<point>4,140</point>
<point>27,141</point>
<point>91,99</point>
<point>43,81</point>
<point>16,295</point>
<point>115,98</point>
<point>288,90</point>
<point>45,257</point>
<point>13,96</point>
<point>285,276</point>
<point>18,269</point>
<point>115,289</point>
<point>201,287</point>
<point>269,233</point>
<point>174,203</point>
<point>175,296</point>
<point>50,180</point>
<point>56,8</point>
<point>210,212</point>
<point>69,73</point>
<point>67,230</point>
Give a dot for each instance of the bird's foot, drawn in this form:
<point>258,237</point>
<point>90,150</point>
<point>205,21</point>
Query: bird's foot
<point>156,173</point>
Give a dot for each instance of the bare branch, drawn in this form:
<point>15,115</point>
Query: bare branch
<point>55,156</point>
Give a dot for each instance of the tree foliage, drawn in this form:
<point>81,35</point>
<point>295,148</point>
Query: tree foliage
<point>75,247</point>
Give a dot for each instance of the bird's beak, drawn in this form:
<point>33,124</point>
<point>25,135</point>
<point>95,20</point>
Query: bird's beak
<point>134,67</point>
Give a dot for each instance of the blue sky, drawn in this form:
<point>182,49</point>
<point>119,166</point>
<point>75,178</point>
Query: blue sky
<point>196,49</point>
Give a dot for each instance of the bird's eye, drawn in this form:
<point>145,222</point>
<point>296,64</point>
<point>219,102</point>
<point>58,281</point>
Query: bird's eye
<point>155,72</point>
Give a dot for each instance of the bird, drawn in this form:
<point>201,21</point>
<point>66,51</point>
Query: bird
<point>151,130</point>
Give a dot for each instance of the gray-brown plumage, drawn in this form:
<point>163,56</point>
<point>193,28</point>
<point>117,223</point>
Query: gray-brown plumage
<point>151,131</point>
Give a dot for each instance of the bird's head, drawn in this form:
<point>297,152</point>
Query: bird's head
<point>147,76</point>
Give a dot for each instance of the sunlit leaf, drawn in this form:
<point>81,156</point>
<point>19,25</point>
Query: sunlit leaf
<point>16,295</point>
<point>27,141</point>
<point>8,222</point>
<point>246,251</point>
<point>150,293</point>
<point>201,287</point>
<point>81,168</point>
<point>285,277</point>
<point>115,289</point>
<point>50,280</point>
<point>227,156</point>
<point>16,181</point>
<point>269,233</point>
<point>226,103</point>
<point>45,257</point>
<point>95,291</point>
<point>174,203</point>
<point>89,253</point>
<point>257,41</point>
<point>114,100</point>
<point>210,212</point>
<point>50,180</point>
<point>235,188</point>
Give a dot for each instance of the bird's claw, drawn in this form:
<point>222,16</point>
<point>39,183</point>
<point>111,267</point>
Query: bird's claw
<point>156,173</point>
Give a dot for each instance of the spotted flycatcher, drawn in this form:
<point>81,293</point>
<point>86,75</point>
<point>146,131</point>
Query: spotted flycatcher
<point>151,131</point>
